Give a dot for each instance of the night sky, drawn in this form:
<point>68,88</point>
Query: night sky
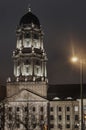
<point>64,25</point>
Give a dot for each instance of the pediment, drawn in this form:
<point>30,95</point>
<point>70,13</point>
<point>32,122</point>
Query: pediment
<point>26,95</point>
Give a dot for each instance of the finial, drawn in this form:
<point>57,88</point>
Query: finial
<point>29,8</point>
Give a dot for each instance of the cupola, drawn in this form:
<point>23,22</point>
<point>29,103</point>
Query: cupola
<point>28,19</point>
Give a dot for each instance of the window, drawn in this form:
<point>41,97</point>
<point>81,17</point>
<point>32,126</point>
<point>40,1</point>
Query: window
<point>60,117</point>
<point>26,108</point>
<point>27,69</point>
<point>27,35</point>
<point>68,117</point>
<point>26,62</point>
<point>60,109</point>
<point>17,117</point>
<point>84,107</point>
<point>59,126</point>
<point>17,125</point>
<point>37,70</point>
<point>27,43</point>
<point>68,108</point>
<point>10,108</point>
<point>9,125</point>
<point>51,108</point>
<point>36,44</point>
<point>76,108</point>
<point>20,37</point>
<point>68,126</point>
<point>37,62</point>
<point>51,117</point>
<point>76,126</point>
<point>34,109</point>
<point>26,119</point>
<point>76,117</point>
<point>51,125</point>
<point>17,109</point>
<point>10,117</point>
<point>35,36</point>
<point>18,63</point>
<point>41,109</point>
<point>41,117</point>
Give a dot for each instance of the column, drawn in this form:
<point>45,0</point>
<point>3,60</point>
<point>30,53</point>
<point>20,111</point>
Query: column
<point>45,69</point>
<point>32,67</point>
<point>21,67</point>
<point>15,68</point>
<point>41,42</point>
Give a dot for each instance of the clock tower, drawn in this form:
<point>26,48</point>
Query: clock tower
<point>29,57</point>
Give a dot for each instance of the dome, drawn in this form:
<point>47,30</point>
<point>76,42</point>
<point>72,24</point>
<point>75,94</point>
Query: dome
<point>29,18</point>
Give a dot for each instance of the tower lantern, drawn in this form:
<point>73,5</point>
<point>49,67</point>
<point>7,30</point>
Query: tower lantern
<point>29,56</point>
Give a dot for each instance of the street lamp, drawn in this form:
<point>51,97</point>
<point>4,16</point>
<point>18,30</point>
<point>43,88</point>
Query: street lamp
<point>75,59</point>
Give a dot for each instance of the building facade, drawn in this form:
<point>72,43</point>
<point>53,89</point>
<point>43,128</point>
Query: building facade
<point>26,102</point>
<point>26,106</point>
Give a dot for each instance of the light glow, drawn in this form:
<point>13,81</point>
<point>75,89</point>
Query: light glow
<point>74,59</point>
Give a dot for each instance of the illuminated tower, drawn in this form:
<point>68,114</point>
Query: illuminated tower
<point>29,56</point>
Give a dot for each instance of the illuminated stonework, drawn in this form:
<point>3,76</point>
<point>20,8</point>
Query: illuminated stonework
<point>26,106</point>
<point>29,56</point>
<point>26,103</point>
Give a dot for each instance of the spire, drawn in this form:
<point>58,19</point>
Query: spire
<point>29,8</point>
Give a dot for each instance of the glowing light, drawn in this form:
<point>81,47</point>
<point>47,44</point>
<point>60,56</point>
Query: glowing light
<point>74,59</point>
<point>56,98</point>
<point>85,116</point>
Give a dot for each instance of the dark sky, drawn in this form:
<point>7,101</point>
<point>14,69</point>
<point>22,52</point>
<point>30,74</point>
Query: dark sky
<point>64,25</point>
